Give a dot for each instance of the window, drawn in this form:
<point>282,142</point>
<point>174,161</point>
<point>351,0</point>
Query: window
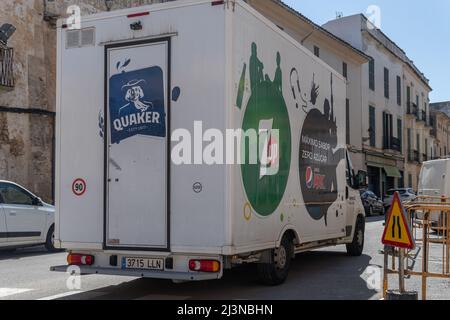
<point>316,51</point>
<point>409,136</point>
<point>400,133</point>
<point>399,90</point>
<point>372,75</point>
<point>418,143</point>
<point>401,180</point>
<point>408,94</point>
<point>386,83</point>
<point>12,194</point>
<point>347,122</point>
<point>345,70</point>
<point>387,130</point>
<point>372,126</point>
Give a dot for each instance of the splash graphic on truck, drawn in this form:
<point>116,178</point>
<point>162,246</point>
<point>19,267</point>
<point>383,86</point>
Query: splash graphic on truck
<point>265,182</point>
<point>136,104</point>
<point>318,159</point>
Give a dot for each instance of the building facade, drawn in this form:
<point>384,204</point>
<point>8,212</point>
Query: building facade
<point>385,101</point>
<point>440,119</point>
<point>418,125</point>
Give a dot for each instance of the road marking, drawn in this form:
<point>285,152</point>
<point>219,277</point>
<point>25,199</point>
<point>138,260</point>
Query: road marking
<point>61,295</point>
<point>5,292</point>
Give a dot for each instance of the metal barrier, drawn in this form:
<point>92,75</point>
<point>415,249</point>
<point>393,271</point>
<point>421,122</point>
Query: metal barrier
<point>429,218</point>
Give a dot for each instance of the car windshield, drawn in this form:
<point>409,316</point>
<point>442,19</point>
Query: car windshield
<point>402,192</point>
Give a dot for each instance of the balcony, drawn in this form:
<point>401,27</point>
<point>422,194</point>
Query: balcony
<point>6,67</point>
<point>421,115</point>
<point>392,144</point>
<point>412,109</point>
<point>413,156</point>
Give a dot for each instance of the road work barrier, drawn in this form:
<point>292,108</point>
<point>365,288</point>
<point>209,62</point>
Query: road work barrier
<point>429,220</point>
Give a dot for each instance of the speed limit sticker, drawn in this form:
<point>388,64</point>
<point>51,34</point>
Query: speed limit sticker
<point>79,187</point>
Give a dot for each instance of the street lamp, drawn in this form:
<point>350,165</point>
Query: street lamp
<point>6,31</point>
<point>109,4</point>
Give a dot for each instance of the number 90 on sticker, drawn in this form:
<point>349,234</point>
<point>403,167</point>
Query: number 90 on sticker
<point>79,187</point>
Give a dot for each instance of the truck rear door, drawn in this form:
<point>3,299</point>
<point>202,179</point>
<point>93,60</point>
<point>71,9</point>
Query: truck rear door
<point>136,145</point>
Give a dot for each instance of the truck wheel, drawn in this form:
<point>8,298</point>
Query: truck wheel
<point>50,241</point>
<point>355,249</point>
<point>275,273</point>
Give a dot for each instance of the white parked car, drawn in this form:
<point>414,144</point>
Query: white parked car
<point>25,220</point>
<point>406,194</point>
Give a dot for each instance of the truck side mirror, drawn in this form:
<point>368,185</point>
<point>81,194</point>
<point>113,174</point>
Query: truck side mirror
<point>361,179</point>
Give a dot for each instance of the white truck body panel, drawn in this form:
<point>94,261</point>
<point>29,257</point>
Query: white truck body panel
<point>224,61</point>
<point>434,178</point>
<point>434,182</point>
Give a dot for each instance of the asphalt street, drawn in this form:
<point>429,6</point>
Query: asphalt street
<point>322,274</point>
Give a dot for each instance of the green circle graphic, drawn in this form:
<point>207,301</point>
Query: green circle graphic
<point>265,193</point>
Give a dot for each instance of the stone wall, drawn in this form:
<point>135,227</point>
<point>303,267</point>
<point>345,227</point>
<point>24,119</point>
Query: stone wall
<point>26,121</point>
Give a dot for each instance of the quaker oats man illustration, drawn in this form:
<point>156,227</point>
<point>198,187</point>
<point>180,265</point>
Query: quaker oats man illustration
<point>134,96</point>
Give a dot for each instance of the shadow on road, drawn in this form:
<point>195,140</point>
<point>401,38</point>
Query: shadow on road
<point>314,275</point>
<point>375,219</point>
<point>14,254</point>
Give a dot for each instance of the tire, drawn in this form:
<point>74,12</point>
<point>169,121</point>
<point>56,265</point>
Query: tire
<point>355,249</point>
<point>49,243</point>
<point>276,273</point>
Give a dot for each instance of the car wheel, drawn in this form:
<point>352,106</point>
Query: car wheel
<point>355,249</point>
<point>275,273</point>
<point>50,241</point>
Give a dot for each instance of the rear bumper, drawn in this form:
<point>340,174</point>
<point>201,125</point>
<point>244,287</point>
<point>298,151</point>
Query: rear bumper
<point>169,275</point>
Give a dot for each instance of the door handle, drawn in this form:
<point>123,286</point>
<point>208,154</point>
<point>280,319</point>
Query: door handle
<point>12,213</point>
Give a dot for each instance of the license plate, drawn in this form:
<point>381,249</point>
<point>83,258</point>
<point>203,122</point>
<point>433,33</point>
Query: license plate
<point>142,263</point>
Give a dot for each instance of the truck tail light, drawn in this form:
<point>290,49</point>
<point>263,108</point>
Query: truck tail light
<point>139,14</point>
<point>74,259</point>
<point>204,265</point>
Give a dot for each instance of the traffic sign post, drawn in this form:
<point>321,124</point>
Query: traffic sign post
<point>397,233</point>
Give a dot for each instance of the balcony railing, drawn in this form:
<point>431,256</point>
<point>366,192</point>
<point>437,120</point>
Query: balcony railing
<point>6,67</point>
<point>396,144</point>
<point>392,144</point>
<point>413,156</point>
<point>421,115</point>
<point>412,108</point>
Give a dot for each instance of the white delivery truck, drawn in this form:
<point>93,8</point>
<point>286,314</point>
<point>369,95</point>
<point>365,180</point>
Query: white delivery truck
<point>194,136</point>
<point>434,183</point>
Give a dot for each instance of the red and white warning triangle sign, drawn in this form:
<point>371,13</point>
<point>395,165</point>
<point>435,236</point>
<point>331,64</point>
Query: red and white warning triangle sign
<point>397,232</point>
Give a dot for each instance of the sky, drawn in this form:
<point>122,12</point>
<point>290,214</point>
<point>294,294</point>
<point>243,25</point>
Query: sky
<point>420,28</point>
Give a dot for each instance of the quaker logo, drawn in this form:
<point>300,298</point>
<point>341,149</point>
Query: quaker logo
<point>318,159</point>
<point>136,104</point>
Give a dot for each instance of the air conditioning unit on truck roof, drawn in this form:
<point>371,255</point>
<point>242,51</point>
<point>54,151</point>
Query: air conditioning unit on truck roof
<point>189,145</point>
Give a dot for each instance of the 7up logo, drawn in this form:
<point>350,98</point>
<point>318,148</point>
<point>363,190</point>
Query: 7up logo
<point>268,146</point>
<point>266,112</point>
